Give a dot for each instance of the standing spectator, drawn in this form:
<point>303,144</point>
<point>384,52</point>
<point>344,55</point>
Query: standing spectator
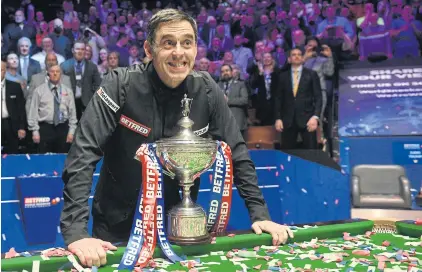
<point>52,114</point>
<point>88,52</point>
<point>84,76</point>
<point>96,42</point>
<point>42,77</point>
<point>103,62</point>
<point>42,32</point>
<point>47,47</point>
<point>236,96</point>
<point>134,57</point>
<point>27,66</point>
<point>113,60</point>
<point>12,71</point>
<point>121,47</point>
<point>241,54</point>
<point>209,31</point>
<point>298,104</point>
<point>16,30</point>
<point>264,82</point>
<point>62,44</point>
<point>215,53</point>
<point>13,117</point>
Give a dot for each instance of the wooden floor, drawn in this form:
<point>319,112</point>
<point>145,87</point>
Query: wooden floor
<point>386,213</point>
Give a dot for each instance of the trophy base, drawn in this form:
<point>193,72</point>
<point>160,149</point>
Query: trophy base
<point>180,241</point>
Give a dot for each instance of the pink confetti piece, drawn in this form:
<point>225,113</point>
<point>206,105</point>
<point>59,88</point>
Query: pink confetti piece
<point>336,201</point>
<point>11,253</point>
<point>385,243</point>
<point>210,178</point>
<point>276,173</point>
<point>256,248</point>
<point>235,250</point>
<point>55,173</point>
<point>4,156</point>
<point>230,254</point>
<point>231,235</point>
<point>287,212</point>
<point>268,168</point>
<point>282,167</point>
<point>381,265</point>
<point>257,267</point>
<point>267,258</point>
<point>213,240</point>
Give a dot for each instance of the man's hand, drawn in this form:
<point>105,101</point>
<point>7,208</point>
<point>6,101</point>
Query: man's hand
<point>21,134</point>
<point>309,53</point>
<point>69,138</point>
<point>278,125</point>
<point>326,51</point>
<point>312,124</point>
<point>36,138</point>
<point>279,232</point>
<point>91,251</point>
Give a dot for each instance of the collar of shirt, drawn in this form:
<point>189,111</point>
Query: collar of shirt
<point>3,82</point>
<point>82,63</point>
<point>299,69</point>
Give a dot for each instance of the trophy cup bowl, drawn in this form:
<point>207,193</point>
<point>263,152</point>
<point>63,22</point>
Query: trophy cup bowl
<point>186,156</point>
<point>187,160</point>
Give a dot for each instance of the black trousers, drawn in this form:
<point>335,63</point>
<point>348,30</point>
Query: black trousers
<point>53,138</point>
<point>79,108</point>
<point>120,232</point>
<point>9,137</point>
<point>289,138</point>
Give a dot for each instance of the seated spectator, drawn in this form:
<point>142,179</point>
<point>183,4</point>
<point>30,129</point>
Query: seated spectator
<point>52,114</point>
<point>134,56</point>
<point>42,32</point>
<point>226,41</point>
<point>215,53</point>
<point>294,25</point>
<point>47,47</point>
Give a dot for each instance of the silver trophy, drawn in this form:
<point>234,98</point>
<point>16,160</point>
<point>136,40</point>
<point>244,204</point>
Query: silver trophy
<point>186,156</point>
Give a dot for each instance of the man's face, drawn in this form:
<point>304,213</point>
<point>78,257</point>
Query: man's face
<point>299,37</point>
<point>54,73</point>
<point>88,52</point>
<point>294,22</point>
<point>12,61</point>
<point>134,52</point>
<point>140,36</point>
<point>79,51</point>
<point>212,22</point>
<point>296,57</point>
<point>330,12</point>
<point>344,12</point>
<point>204,64</point>
<point>221,30</point>
<point>238,39</point>
<point>24,48</point>
<point>110,20</point>
<point>113,60</point>
<point>264,20</point>
<point>259,46</point>
<point>202,52</point>
<point>19,17</point>
<point>216,43</point>
<point>103,30</point>
<point>226,74</point>
<point>3,70</point>
<point>174,52</point>
<point>51,60</point>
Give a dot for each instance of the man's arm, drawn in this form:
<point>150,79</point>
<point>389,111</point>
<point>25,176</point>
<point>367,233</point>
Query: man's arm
<point>21,108</point>
<point>278,98</point>
<point>95,128</point>
<point>222,124</point>
<point>317,93</point>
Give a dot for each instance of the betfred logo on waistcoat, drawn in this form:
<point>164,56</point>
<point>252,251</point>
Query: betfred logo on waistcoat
<point>134,126</point>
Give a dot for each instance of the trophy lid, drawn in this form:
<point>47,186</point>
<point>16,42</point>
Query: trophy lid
<point>185,133</point>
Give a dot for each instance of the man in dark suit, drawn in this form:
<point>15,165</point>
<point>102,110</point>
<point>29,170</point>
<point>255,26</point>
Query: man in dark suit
<point>84,77</point>
<point>14,31</point>
<point>27,66</point>
<point>298,103</point>
<point>13,117</point>
<point>236,95</point>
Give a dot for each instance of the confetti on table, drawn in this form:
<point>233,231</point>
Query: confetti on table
<point>257,267</point>
<point>214,253</point>
<point>336,202</point>
<point>287,179</point>
<point>17,216</point>
<point>281,167</point>
<point>35,266</point>
<point>289,158</point>
<point>304,190</point>
<point>28,157</point>
<point>231,235</point>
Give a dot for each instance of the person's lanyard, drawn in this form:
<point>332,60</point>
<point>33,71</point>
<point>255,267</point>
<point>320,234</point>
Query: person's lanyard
<point>58,94</point>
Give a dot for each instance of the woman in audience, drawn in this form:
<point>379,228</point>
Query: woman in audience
<point>103,62</point>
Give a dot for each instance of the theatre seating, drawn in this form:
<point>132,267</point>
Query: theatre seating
<point>380,186</point>
<point>262,137</point>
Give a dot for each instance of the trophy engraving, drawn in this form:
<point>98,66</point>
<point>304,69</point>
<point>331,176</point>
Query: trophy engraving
<point>186,156</point>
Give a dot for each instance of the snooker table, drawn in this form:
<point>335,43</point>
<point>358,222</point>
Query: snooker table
<point>351,245</point>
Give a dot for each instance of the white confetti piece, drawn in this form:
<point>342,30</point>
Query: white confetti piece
<point>45,258</point>
<point>215,253</point>
<point>353,264</point>
<point>75,263</point>
<point>325,202</point>
<point>115,265</point>
<point>288,179</point>
<point>290,266</point>
<point>35,266</point>
<point>17,216</point>
<point>247,254</point>
<point>371,268</point>
<point>25,270</point>
<point>412,243</point>
<point>273,262</point>
<point>115,270</point>
<point>244,267</point>
<point>58,229</point>
<point>239,259</point>
<point>4,237</point>
<point>308,266</point>
<point>201,256</point>
<point>351,101</point>
<point>211,263</point>
<point>223,258</point>
<point>304,190</point>
<point>289,158</point>
<point>28,157</point>
<point>200,268</point>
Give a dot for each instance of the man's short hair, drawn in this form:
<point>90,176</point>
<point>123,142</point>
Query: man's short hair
<point>313,38</point>
<point>168,16</point>
<point>79,42</point>
<point>24,39</point>
<point>295,48</point>
<point>228,65</point>
<point>113,53</point>
<point>46,56</point>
